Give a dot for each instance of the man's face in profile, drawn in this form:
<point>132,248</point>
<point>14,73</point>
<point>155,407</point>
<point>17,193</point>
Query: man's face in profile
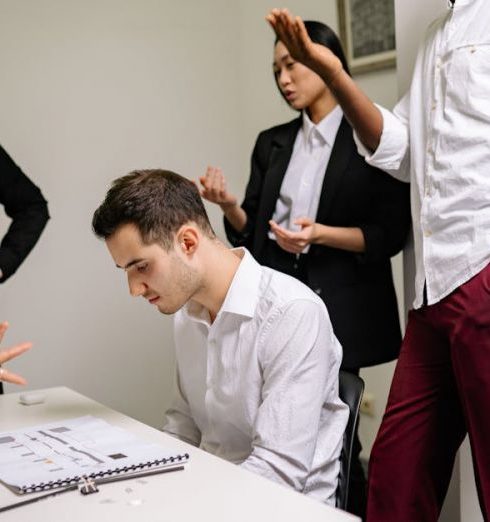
<point>159,276</point>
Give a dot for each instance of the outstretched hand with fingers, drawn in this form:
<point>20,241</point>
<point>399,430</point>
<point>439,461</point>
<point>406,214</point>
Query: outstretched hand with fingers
<point>291,31</point>
<point>214,189</point>
<point>294,242</point>
<point>10,353</point>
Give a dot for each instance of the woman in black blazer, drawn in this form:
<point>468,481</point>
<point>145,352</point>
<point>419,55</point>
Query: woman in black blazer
<point>362,215</point>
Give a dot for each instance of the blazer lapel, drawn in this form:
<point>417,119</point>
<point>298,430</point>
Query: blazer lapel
<point>279,156</point>
<point>339,160</point>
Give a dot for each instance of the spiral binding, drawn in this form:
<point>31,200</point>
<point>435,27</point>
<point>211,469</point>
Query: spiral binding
<point>43,486</point>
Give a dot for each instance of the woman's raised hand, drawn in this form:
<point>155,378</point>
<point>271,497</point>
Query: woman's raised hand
<point>213,188</point>
<point>291,31</point>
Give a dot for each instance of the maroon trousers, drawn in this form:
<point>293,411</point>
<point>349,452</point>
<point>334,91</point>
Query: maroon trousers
<point>440,392</point>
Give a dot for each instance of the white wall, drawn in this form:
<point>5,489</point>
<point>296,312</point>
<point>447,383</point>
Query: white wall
<point>91,90</point>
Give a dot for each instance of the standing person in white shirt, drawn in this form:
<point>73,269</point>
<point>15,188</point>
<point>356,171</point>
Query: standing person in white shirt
<point>438,137</point>
<point>257,360</point>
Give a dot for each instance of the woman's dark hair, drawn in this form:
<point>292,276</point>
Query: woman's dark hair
<point>322,34</point>
<point>157,201</point>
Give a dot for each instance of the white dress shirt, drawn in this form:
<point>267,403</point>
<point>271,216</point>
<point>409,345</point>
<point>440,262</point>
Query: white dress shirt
<point>259,386</point>
<point>438,137</point>
<point>301,187</point>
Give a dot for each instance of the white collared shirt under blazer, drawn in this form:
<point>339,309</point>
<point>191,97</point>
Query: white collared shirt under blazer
<point>259,386</point>
<point>301,187</point>
<point>438,138</point>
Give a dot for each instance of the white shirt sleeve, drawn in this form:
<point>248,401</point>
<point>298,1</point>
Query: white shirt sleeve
<point>300,362</point>
<point>393,152</point>
<point>178,420</point>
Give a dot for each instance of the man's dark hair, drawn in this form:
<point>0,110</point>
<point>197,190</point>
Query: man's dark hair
<point>157,202</point>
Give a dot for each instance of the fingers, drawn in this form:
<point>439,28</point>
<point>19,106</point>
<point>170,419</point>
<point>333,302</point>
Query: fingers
<point>281,21</point>
<point>213,184</point>
<point>289,246</point>
<point>304,222</point>
<point>292,242</point>
<point>289,30</point>
<point>7,376</point>
<point>301,31</point>
<point>281,231</point>
<point>10,353</point>
<point>3,329</point>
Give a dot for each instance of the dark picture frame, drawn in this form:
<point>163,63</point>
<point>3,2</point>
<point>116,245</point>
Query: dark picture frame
<point>367,32</point>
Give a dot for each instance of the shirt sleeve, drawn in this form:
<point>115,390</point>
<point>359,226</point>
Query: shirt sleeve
<point>386,223</point>
<point>178,420</point>
<point>300,361</point>
<point>26,206</point>
<point>393,152</point>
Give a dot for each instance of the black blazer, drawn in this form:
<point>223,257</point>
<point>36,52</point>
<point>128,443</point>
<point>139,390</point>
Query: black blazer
<point>356,288</point>
<point>26,206</point>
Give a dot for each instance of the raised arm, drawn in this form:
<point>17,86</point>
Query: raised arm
<point>363,115</point>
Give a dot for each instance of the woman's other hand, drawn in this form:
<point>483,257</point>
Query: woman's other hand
<point>295,242</point>
<point>213,188</point>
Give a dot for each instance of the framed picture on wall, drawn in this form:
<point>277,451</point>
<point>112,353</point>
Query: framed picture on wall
<point>367,31</point>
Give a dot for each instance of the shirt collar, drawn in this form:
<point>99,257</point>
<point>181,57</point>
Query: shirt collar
<point>326,128</point>
<point>243,294</point>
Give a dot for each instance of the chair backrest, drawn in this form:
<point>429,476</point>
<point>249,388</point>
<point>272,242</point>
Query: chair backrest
<point>351,388</point>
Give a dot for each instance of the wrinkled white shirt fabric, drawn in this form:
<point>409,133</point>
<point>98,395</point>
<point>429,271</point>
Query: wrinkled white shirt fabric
<point>301,187</point>
<point>259,386</point>
<point>438,138</point>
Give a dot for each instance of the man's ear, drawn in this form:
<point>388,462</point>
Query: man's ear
<point>187,239</point>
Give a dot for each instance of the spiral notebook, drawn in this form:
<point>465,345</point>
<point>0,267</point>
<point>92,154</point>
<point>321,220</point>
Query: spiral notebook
<point>60,454</point>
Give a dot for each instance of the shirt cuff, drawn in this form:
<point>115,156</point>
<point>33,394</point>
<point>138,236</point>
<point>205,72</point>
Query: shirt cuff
<point>392,147</point>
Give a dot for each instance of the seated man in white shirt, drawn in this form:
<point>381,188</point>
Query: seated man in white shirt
<point>257,360</point>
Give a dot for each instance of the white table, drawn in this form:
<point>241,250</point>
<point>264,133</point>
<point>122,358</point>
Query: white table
<point>210,489</point>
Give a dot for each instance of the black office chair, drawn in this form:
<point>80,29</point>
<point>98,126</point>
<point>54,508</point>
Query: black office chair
<point>351,388</point>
